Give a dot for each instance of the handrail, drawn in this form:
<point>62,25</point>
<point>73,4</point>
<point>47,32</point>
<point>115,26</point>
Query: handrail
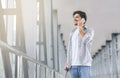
<point>21,53</point>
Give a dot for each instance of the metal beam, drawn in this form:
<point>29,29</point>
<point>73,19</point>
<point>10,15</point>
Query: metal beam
<point>42,27</point>
<point>8,11</point>
<point>24,56</point>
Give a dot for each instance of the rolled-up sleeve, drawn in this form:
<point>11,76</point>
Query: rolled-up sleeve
<point>91,35</point>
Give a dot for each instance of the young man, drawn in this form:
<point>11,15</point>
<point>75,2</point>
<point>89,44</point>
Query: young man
<point>79,48</point>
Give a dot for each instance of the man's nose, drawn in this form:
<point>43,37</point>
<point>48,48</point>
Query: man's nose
<point>75,19</point>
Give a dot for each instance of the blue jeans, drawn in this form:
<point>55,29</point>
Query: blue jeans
<point>80,72</point>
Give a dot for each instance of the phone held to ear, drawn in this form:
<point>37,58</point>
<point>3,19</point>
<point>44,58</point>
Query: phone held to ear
<point>83,20</point>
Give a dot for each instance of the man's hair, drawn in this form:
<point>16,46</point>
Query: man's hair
<point>81,13</point>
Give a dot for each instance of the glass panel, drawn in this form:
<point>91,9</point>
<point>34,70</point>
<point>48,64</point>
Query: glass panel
<point>38,53</point>
<point>49,73</point>
<point>38,7</point>
<point>8,4</point>
<point>42,72</point>
<point>37,29</point>
<point>42,45</point>
<point>56,75</point>
<point>32,69</point>
<point>12,62</point>
<point>42,57</point>
<point>2,74</point>
<point>10,25</point>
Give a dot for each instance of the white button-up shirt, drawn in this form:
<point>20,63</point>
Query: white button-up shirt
<point>79,49</point>
<point>76,53</point>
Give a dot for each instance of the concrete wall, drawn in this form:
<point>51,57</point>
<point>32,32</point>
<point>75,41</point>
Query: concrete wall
<point>106,60</point>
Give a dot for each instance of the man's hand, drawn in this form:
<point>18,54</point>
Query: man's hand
<point>66,68</point>
<point>80,24</point>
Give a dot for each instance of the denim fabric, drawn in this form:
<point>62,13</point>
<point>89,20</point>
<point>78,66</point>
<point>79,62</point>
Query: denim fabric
<point>80,72</point>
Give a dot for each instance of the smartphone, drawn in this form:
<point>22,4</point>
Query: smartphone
<point>83,20</point>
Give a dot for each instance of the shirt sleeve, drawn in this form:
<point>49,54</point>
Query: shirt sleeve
<point>90,41</point>
<point>68,53</point>
<point>91,35</point>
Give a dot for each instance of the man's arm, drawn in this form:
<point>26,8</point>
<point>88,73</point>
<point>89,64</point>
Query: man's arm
<point>81,30</point>
<point>82,33</point>
<point>91,35</point>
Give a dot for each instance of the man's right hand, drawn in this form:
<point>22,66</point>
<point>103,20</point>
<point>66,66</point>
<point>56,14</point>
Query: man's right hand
<point>66,68</point>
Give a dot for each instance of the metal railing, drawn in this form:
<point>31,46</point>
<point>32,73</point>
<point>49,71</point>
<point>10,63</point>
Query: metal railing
<point>21,55</point>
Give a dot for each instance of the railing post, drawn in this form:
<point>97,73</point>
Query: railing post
<point>19,67</point>
<point>38,71</point>
<point>52,74</point>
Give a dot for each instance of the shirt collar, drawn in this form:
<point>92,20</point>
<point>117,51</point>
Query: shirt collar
<point>85,28</point>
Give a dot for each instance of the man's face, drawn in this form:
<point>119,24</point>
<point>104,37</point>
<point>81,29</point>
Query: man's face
<point>76,18</point>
